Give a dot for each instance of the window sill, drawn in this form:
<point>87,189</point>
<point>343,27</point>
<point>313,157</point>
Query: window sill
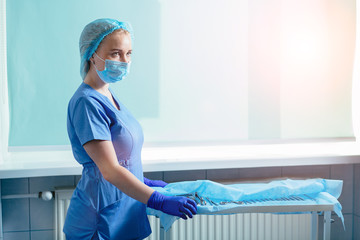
<point>60,163</point>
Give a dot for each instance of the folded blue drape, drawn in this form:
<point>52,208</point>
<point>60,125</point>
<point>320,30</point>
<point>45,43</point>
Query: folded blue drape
<point>318,191</point>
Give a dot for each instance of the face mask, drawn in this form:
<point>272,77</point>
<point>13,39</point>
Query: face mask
<point>114,71</point>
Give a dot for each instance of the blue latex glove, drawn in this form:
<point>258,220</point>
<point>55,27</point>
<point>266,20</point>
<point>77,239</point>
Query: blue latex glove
<point>178,206</point>
<point>154,183</point>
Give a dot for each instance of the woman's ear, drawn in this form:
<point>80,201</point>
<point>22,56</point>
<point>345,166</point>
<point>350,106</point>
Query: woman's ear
<point>92,60</point>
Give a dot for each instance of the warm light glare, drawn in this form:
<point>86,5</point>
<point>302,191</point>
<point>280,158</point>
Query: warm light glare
<point>317,64</point>
<point>305,46</point>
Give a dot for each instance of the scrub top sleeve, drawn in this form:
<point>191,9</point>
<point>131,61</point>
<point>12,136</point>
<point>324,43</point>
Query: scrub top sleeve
<point>90,121</point>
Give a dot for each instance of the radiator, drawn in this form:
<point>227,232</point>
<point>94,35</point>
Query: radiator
<point>241,226</point>
<point>62,202</point>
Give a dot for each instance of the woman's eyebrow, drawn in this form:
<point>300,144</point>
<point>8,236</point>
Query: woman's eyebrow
<point>120,50</point>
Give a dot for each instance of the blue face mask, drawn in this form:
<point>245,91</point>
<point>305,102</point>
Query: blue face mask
<point>114,71</point>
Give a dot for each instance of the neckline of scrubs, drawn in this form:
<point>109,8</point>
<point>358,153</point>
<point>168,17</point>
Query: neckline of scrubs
<point>107,99</point>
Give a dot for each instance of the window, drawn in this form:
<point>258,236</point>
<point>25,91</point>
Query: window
<point>203,71</point>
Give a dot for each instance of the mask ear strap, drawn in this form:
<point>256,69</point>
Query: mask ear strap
<point>99,57</point>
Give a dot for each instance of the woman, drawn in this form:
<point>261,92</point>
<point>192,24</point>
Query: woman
<point>110,199</point>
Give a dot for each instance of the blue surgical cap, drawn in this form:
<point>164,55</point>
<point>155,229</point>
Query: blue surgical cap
<point>93,34</point>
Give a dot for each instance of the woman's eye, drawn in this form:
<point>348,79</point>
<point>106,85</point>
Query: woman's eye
<point>129,53</point>
<point>115,54</point>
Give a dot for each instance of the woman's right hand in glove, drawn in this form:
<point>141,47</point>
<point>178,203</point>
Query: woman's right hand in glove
<point>178,206</point>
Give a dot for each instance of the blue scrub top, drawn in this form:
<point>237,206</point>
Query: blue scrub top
<point>99,210</point>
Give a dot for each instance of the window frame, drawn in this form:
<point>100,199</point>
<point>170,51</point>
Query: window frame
<point>4,105</point>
